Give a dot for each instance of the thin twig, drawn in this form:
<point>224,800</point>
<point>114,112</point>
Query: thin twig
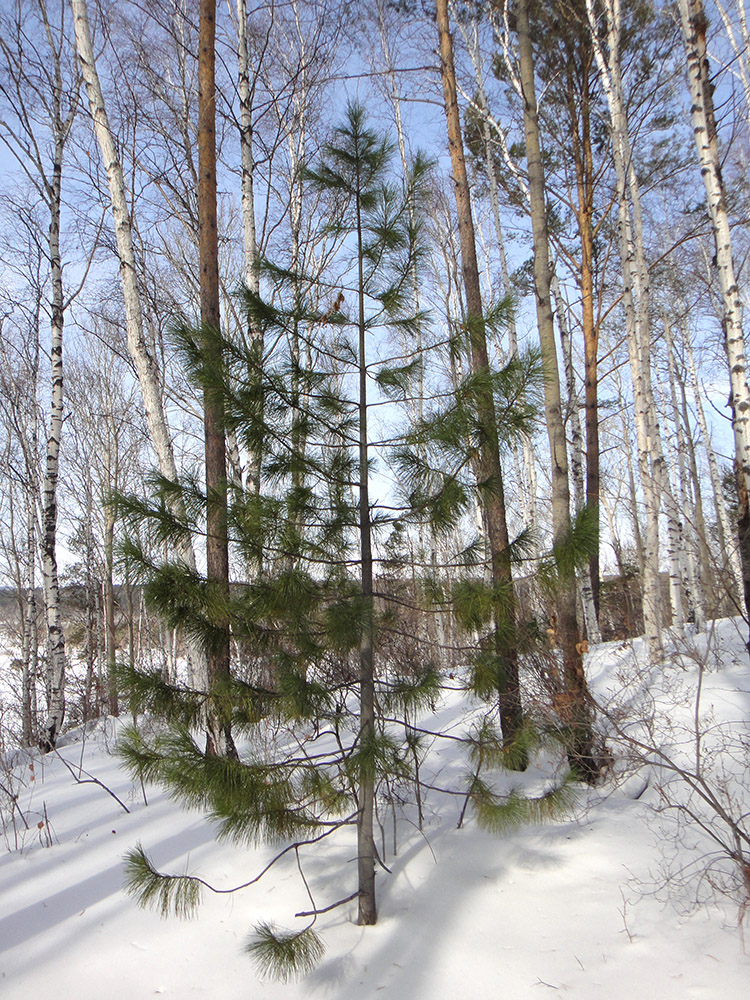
<point>326,909</point>
<point>14,803</point>
<point>89,780</point>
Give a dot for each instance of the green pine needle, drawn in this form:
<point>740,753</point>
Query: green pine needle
<point>504,814</point>
<point>413,694</point>
<point>573,552</point>
<point>178,895</point>
<point>284,955</point>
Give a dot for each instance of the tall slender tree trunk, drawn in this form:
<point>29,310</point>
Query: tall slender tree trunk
<point>30,653</point>
<point>91,602</point>
<point>52,184</point>
<point>692,513</point>
<point>109,613</point>
<point>694,25</point>
<point>217,545</point>
<point>436,625</point>
<point>247,159</point>
<point>145,364</point>
<point>368,913</point>
<point>585,578</point>
<point>524,459</point>
<point>487,468</point>
<point>575,709</point>
<point>727,536</point>
<point>637,319</point>
<point>584,170</point>
<point>705,561</point>
<point>55,634</point>
<point>249,230</point>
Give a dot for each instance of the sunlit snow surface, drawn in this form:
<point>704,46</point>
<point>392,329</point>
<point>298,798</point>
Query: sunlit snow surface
<point>597,907</point>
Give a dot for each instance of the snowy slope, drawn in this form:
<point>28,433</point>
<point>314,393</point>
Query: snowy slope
<point>565,908</point>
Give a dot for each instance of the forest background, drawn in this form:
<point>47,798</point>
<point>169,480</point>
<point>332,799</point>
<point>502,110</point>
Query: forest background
<point>477,315</point>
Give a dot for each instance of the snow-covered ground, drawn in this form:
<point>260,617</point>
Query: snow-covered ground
<point>598,905</point>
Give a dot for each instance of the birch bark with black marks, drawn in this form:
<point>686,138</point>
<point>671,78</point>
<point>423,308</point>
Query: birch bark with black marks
<point>30,642</point>
<point>55,634</point>
<point>44,97</point>
<point>145,364</point>
<point>705,561</point>
<point>694,27</point>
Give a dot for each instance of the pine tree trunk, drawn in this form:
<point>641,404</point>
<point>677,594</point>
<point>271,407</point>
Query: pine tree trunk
<point>584,168</point>
<point>694,23</point>
<point>523,458</point>
<point>574,705</point>
<point>585,579</point>
<point>487,468</point>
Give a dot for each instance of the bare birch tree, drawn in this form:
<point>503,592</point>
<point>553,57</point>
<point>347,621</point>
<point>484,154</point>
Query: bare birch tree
<point>39,86</point>
<point>144,361</point>
<point>694,27</point>
<point>636,306</point>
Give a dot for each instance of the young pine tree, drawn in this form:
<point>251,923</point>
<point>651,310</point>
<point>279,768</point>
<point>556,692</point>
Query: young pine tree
<point>321,705</point>
<point>305,625</point>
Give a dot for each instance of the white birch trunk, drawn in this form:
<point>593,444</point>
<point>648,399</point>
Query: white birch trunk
<point>60,123</point>
<point>680,570</point>
<point>55,634</point>
<point>245,87</point>
<point>637,320</point>
<point>693,19</point>
<point>146,369</point>
<point>632,492</point>
<point>739,39</point>
<point>395,96</point>
<point>727,534</point>
<point>247,159</point>
<point>30,654</point>
<point>692,549</point>
<point>145,364</point>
